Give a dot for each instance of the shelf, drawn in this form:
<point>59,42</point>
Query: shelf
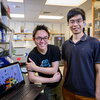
<point>4,42</point>
<point>23,33</point>
<point>31,33</point>
<point>97,30</point>
<point>4,26</point>
<point>97,19</point>
<point>57,33</point>
<point>4,10</point>
<point>24,40</point>
<point>18,40</point>
<point>97,8</point>
<point>28,40</point>
<point>97,33</point>
<point>19,47</point>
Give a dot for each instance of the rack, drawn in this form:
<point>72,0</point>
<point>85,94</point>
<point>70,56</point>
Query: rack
<point>4,12</point>
<point>24,38</point>
<point>7,45</point>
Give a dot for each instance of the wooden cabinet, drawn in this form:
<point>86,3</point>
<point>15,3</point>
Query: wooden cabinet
<point>96,18</point>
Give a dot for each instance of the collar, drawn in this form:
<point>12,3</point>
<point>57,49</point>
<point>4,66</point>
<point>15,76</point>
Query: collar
<point>83,38</point>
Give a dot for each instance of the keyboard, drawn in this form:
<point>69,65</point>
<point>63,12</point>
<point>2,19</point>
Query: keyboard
<point>22,92</point>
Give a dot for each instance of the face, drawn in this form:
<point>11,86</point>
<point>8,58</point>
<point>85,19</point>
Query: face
<point>76,24</point>
<point>41,39</point>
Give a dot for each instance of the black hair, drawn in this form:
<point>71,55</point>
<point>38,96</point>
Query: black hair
<point>40,27</point>
<point>76,11</point>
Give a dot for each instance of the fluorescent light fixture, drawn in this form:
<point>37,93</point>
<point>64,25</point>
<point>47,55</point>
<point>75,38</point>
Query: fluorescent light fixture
<point>21,1</point>
<point>17,15</point>
<point>50,17</point>
<point>65,2</point>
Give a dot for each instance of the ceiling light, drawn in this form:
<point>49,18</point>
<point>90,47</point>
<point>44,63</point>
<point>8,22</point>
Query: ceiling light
<point>21,1</point>
<point>50,17</point>
<point>65,2</point>
<point>17,15</point>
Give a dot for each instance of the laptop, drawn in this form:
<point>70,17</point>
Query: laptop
<point>13,87</point>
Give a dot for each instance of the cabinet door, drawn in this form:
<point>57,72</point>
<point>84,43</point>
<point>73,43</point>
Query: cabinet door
<point>96,24</point>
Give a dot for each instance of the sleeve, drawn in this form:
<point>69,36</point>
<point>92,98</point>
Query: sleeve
<point>97,52</point>
<point>56,55</point>
<point>28,58</point>
<point>32,56</point>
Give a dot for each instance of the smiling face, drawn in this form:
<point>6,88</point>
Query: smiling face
<point>76,24</point>
<point>41,39</point>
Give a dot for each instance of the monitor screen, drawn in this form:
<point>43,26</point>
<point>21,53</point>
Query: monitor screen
<point>10,76</point>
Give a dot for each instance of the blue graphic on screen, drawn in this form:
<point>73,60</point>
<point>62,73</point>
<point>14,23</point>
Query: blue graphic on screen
<point>9,76</point>
<point>45,63</point>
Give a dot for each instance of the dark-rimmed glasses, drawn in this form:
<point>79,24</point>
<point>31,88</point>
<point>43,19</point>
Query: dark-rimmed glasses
<point>42,38</point>
<point>78,21</point>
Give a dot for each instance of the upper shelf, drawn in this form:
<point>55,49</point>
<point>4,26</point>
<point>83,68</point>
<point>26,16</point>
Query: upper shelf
<point>23,33</point>
<point>24,40</point>
<point>57,33</point>
<point>31,33</point>
<point>97,19</point>
<point>4,10</point>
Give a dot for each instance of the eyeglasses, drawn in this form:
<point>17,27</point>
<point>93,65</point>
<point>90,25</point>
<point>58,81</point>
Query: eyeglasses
<point>78,21</point>
<point>41,38</point>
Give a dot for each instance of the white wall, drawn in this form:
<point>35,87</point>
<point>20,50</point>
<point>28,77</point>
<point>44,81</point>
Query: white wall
<point>53,28</point>
<point>29,27</point>
<point>89,16</point>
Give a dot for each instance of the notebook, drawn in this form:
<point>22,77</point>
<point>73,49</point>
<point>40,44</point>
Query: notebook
<point>12,84</point>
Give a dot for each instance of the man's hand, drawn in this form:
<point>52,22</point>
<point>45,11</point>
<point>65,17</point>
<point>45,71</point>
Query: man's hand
<point>56,77</point>
<point>31,65</point>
